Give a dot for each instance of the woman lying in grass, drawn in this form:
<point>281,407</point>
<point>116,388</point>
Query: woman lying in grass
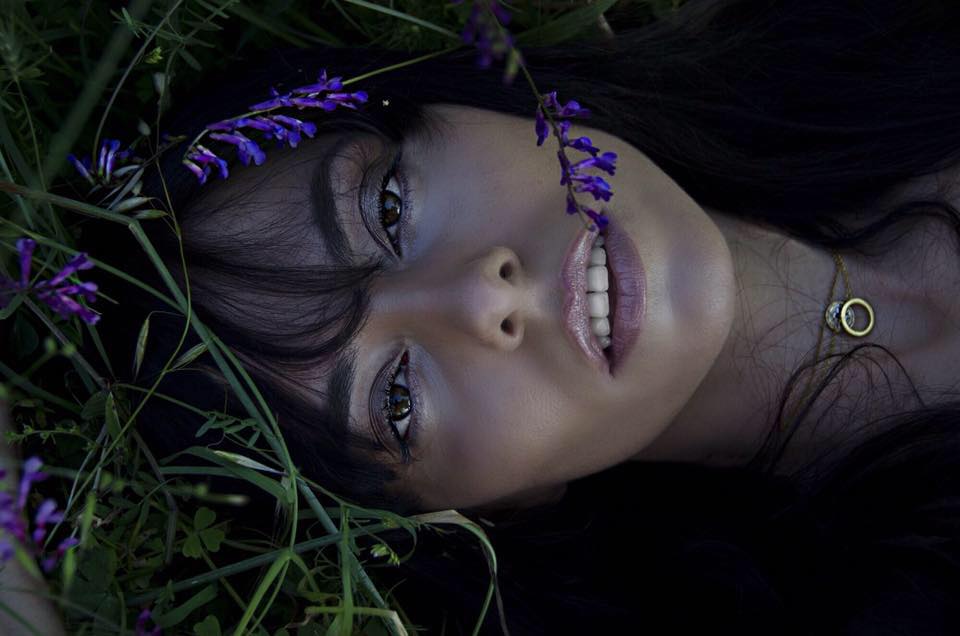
<point>644,414</point>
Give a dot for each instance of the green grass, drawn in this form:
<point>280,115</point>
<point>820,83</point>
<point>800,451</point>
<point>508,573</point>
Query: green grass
<point>70,72</point>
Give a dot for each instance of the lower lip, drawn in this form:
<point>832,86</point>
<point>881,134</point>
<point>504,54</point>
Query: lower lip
<point>627,292</point>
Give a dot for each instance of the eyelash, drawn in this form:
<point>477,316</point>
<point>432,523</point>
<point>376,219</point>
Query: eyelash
<point>401,225</point>
<point>394,173</point>
<point>402,441</point>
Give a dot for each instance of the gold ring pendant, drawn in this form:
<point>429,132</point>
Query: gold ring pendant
<point>841,315</point>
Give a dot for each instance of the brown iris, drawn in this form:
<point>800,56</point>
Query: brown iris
<point>390,213</point>
<point>399,403</point>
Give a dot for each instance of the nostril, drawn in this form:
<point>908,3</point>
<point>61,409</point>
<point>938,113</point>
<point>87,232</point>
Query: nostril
<point>507,326</point>
<point>505,271</point>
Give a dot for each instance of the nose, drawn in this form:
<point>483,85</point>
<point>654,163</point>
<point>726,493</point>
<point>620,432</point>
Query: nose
<point>484,297</point>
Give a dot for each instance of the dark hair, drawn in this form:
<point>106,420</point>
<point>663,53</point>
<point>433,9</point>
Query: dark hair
<point>794,115</point>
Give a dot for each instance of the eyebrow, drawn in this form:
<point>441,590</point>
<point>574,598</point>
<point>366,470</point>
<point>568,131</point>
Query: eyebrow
<point>325,215</point>
<point>323,205</point>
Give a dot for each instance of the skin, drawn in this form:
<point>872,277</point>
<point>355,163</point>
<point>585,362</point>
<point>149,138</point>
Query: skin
<point>506,417</point>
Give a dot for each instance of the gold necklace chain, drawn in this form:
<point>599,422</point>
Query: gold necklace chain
<point>839,317</point>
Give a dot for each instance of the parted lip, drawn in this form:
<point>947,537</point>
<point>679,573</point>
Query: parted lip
<point>574,315</point>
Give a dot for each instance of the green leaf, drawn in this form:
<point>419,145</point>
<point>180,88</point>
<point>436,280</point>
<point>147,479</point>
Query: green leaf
<point>130,204</point>
<point>11,307</point>
<point>189,59</point>
<point>176,615</point>
<point>94,406</point>
<point>566,26</point>
<point>203,518</point>
<point>212,539</point>
<point>191,354</point>
<point>141,346</point>
<point>110,412</point>
<point>145,215</point>
<point>209,626</point>
<point>23,337</point>
<point>192,547</point>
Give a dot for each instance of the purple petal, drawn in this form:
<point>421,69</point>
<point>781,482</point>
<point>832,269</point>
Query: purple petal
<point>196,170</point>
<point>205,156</point>
<point>66,544</point>
<point>564,167</point>
<point>599,218</point>
<point>277,101</point>
<point>225,125</point>
<point>312,102</point>
<point>78,262</point>
<point>25,246</point>
<point>66,306</point>
<point>606,162</point>
<point>31,474</point>
<point>257,123</point>
<point>47,512</point>
<point>48,564</point>
<point>541,127</point>
<point>86,290</point>
<point>573,109</point>
<point>572,207</point>
<point>596,186</point>
<point>323,84</point>
<point>584,145</point>
<point>112,146</point>
<point>550,99</point>
<point>82,169</point>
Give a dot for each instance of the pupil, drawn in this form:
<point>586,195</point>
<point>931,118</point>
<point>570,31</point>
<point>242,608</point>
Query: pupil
<point>399,402</point>
<point>391,213</point>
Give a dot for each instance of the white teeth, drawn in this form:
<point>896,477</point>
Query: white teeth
<point>598,256</point>
<point>597,278</point>
<point>598,302</point>
<point>600,326</point>
<point>598,305</point>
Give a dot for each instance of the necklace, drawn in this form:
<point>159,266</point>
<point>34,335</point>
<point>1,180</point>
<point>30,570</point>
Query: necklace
<point>839,317</point>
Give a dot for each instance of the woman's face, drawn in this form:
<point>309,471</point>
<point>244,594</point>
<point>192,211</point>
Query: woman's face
<point>503,400</point>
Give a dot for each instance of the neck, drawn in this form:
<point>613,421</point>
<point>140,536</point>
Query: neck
<point>782,288</point>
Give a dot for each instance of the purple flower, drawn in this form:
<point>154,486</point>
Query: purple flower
<point>604,162</point>
<point>324,94</point>
<point>141,627</point>
<point>246,147</point>
<point>57,291</point>
<point>204,156</point>
<point>570,174</point>
<point>296,127</point>
<point>596,186</point>
<point>323,84</point>
<point>598,217</point>
<point>31,474</point>
<point>107,166</point>
<point>13,522</point>
<point>542,129</point>
<point>484,29</point>
<point>51,561</point>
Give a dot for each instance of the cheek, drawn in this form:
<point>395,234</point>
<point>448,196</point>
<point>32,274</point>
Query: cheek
<point>508,436</point>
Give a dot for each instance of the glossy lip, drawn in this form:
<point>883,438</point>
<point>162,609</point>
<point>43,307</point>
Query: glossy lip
<point>628,293</point>
<point>576,318</point>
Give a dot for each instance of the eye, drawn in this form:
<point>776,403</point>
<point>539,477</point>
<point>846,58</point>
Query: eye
<point>398,404</point>
<point>392,204</point>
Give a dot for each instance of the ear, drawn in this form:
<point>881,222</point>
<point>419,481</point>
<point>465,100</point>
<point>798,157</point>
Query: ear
<point>508,507</point>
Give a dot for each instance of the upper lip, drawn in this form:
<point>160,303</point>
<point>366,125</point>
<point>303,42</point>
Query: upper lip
<point>575,318</point>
